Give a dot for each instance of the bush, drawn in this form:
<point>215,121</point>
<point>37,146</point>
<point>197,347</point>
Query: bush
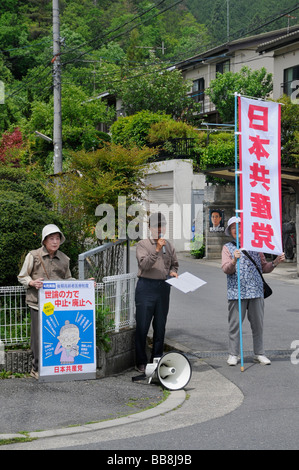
<point>220,152</point>
<point>25,209</point>
<point>133,130</point>
<point>170,129</point>
<point>197,247</point>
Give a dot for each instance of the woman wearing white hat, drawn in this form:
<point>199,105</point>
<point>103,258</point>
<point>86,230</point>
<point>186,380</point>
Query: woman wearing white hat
<point>251,291</point>
<point>47,262</point>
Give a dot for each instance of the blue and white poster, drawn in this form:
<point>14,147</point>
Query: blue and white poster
<point>67,331</point>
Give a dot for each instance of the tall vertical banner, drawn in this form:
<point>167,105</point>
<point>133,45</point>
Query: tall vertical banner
<point>260,176</point>
<point>67,331</point>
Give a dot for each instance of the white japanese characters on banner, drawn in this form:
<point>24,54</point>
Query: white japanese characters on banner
<point>260,176</point>
<point>67,330</point>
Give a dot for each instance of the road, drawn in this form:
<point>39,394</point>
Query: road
<point>226,409</point>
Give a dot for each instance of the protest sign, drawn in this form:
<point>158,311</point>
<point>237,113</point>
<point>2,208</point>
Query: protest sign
<point>260,176</point>
<point>67,331</point>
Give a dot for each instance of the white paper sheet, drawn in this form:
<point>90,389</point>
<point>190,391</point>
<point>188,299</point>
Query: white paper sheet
<point>186,282</point>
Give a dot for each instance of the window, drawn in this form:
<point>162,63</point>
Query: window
<point>223,67</point>
<point>289,76</point>
<point>198,89</point>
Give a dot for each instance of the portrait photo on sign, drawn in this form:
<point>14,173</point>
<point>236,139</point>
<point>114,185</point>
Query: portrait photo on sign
<point>216,219</point>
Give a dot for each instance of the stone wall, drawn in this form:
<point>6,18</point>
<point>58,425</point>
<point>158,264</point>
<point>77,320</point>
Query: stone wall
<point>223,199</point>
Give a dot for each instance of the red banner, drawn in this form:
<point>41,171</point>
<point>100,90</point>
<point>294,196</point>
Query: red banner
<point>260,176</point>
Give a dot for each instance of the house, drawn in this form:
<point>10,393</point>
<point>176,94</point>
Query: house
<point>284,52</point>
<point>232,56</point>
<point>278,52</point>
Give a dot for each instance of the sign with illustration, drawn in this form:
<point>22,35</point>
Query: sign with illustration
<point>67,331</point>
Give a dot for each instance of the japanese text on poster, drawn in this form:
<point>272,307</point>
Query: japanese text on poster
<point>260,175</point>
<point>67,329</point>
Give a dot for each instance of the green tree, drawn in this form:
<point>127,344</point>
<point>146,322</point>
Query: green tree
<point>159,89</point>
<point>79,127</point>
<point>255,83</point>
<point>218,22</point>
<point>25,208</point>
<point>107,173</point>
<point>289,132</point>
<point>98,177</point>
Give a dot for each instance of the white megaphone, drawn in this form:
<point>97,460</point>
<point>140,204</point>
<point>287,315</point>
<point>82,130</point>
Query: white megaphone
<point>173,370</point>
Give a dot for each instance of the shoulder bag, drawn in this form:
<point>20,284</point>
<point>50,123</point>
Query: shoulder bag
<point>267,288</point>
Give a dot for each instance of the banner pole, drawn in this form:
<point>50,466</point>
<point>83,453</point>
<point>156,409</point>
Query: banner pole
<point>237,230</point>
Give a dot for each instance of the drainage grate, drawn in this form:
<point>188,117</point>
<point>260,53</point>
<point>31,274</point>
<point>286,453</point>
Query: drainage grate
<point>269,353</point>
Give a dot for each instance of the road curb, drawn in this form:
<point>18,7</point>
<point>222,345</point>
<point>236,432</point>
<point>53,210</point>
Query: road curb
<point>174,400</point>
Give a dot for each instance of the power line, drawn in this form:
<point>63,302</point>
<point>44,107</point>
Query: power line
<point>101,36</point>
<point>125,32</point>
<point>32,80</point>
<point>170,60</point>
<point>238,35</point>
<point>271,20</point>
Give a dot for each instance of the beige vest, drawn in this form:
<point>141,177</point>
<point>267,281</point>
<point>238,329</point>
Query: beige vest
<point>55,268</point>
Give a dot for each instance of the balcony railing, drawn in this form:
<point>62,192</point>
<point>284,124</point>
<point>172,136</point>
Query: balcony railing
<point>175,149</point>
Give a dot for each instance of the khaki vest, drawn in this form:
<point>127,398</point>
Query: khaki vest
<point>56,268</point>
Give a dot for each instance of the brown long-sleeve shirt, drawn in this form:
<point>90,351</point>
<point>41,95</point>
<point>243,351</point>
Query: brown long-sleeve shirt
<point>155,265</point>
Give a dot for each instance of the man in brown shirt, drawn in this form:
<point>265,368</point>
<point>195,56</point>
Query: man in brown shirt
<point>157,261</point>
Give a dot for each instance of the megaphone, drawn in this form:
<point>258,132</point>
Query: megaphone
<point>173,370</point>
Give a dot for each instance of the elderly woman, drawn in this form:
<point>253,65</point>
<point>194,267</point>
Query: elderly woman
<point>45,263</point>
<point>252,294</point>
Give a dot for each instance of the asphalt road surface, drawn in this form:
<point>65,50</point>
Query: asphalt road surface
<point>225,408</point>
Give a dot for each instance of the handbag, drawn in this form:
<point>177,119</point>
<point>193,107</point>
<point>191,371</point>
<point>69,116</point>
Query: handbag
<point>267,288</point>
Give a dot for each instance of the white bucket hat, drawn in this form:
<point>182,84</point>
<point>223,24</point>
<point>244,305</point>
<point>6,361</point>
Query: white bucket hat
<point>51,228</point>
<point>232,220</point>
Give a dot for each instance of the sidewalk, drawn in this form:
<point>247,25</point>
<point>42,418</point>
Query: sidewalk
<point>28,405</point>
<point>34,410</point>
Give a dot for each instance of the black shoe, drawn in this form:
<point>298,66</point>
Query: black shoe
<point>140,368</point>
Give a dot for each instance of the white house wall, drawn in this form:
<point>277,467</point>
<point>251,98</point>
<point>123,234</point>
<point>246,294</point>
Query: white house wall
<point>171,194</point>
<point>240,58</point>
<point>283,59</point>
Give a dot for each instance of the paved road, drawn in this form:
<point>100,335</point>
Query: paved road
<point>224,408</point>
<point>199,319</point>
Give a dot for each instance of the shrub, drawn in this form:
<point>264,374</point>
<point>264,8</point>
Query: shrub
<point>170,129</point>
<point>25,209</point>
<point>133,130</point>
<point>10,146</point>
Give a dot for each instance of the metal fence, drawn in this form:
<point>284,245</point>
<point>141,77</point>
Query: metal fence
<point>114,305</point>
<point>105,260</point>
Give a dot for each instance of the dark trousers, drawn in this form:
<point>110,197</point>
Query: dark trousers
<point>152,304</point>
<point>34,342</point>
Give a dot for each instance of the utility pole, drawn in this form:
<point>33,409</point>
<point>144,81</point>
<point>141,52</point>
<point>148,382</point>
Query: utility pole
<point>57,131</point>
